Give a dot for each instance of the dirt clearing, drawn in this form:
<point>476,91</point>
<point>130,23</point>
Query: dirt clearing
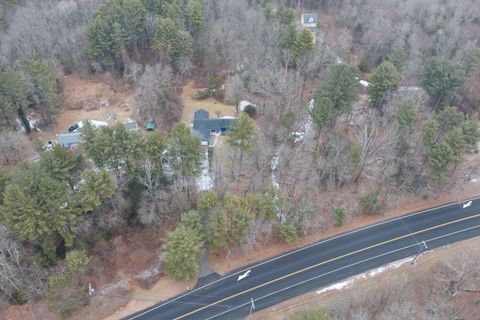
<point>190,105</point>
<point>90,100</point>
<point>164,289</point>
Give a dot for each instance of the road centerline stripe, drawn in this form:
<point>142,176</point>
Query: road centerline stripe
<point>327,261</point>
<point>341,268</point>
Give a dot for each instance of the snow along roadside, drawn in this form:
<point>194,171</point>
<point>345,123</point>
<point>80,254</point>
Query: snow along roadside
<point>347,283</point>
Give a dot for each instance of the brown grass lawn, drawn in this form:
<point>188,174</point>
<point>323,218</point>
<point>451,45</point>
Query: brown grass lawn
<point>211,105</point>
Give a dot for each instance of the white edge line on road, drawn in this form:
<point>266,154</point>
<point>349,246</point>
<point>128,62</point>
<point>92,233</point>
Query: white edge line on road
<point>300,249</point>
<point>341,268</point>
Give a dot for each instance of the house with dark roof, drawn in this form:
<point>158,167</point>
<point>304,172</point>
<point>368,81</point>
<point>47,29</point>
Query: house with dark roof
<point>309,20</point>
<point>204,126</point>
<point>69,139</point>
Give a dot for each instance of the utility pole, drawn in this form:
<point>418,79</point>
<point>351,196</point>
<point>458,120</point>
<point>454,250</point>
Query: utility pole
<point>252,306</point>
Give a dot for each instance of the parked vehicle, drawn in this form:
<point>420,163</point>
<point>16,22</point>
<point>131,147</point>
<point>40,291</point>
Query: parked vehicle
<point>73,127</point>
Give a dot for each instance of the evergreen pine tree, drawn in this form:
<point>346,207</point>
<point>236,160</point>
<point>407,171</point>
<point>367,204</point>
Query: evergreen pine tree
<point>303,44</point>
<point>244,134</point>
<point>184,247</point>
<point>194,16</point>
<point>340,88</point>
<point>384,80</point>
<point>185,151</point>
<point>441,79</point>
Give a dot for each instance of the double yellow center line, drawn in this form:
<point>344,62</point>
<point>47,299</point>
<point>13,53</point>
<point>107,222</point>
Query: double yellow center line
<point>325,262</point>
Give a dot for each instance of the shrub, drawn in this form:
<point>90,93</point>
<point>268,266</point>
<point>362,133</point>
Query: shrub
<point>18,298</point>
<point>339,214</point>
<point>202,94</point>
<point>219,94</point>
<point>64,296</point>
<point>214,83</point>
<point>288,232</point>
<point>251,110</point>
<point>370,203</point>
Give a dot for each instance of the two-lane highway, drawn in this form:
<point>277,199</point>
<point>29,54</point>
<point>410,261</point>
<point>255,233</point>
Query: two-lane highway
<point>328,261</point>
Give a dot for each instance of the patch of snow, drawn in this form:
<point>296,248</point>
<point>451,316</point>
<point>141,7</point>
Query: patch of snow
<point>311,103</point>
<point>148,273</point>
<point>215,139</point>
<point>369,274</point>
<point>276,187</point>
<point>274,163</point>
<point>409,88</point>
<point>119,285</point>
<point>204,181</point>
<point>95,123</point>
<point>273,166</point>
<point>32,123</point>
<point>299,135</point>
<point>337,286</point>
<point>363,83</point>
<point>296,136</point>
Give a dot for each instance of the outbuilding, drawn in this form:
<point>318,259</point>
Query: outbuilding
<point>309,20</point>
<point>69,139</point>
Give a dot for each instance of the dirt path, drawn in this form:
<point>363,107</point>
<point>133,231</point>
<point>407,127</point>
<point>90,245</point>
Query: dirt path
<point>164,289</point>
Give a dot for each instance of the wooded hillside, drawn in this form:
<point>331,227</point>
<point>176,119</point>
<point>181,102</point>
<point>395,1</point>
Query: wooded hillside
<point>378,105</point>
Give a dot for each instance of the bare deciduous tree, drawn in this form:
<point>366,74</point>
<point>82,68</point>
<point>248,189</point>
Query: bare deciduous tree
<point>461,273</point>
<point>54,28</point>
<point>157,95</point>
<point>14,147</point>
<point>11,253</point>
<point>163,205</point>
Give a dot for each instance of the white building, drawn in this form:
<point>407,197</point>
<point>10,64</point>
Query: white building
<point>309,20</point>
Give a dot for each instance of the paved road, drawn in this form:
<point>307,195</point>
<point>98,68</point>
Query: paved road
<point>320,264</point>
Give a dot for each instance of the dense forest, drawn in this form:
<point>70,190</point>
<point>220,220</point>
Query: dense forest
<point>320,149</point>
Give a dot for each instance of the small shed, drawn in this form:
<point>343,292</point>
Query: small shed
<point>309,20</point>
<point>69,139</point>
<point>131,125</point>
<point>150,126</point>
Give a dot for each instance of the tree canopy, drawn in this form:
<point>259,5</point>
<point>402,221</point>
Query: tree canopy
<point>117,28</point>
<point>303,44</point>
<point>13,100</point>
<point>244,133</point>
<point>384,80</point>
<point>340,88</point>
<point>441,79</point>
<point>185,151</point>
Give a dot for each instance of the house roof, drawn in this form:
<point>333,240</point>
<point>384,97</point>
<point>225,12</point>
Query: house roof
<point>204,126</point>
<point>309,18</point>
<point>201,114</point>
<point>150,126</point>
<point>69,139</point>
<point>130,125</point>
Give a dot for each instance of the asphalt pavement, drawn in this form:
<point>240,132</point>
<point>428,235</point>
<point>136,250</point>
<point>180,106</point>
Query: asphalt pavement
<point>300,271</point>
